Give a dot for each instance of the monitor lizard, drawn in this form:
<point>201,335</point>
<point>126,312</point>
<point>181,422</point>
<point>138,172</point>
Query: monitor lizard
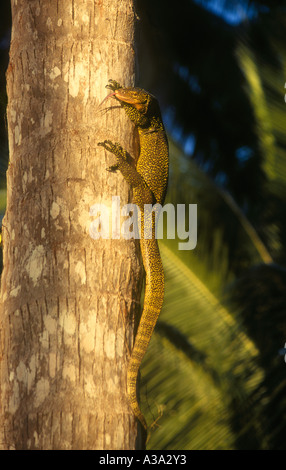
<point>148,179</point>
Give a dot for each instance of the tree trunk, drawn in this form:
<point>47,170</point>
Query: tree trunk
<point>68,301</point>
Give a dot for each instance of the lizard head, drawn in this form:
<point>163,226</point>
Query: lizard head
<point>146,107</point>
<point>137,97</point>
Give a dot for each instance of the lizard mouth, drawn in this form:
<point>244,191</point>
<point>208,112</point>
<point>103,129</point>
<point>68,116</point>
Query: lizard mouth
<point>128,97</point>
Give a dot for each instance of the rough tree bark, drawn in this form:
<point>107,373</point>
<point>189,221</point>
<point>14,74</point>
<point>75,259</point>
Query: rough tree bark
<point>68,301</point>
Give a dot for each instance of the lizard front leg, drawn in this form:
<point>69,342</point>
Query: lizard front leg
<point>142,194</point>
<point>118,151</point>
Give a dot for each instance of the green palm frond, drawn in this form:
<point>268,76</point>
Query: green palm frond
<point>260,300</point>
<point>200,361</point>
<point>228,243</point>
<point>203,367</point>
<point>213,369</point>
<point>265,87</point>
<point>266,90</point>
<point>258,101</point>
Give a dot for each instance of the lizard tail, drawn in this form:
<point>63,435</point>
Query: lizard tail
<point>153,300</point>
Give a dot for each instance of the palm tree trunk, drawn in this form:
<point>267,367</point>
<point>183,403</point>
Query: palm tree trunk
<point>68,301</point>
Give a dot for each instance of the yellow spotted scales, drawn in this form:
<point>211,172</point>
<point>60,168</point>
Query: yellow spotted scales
<point>149,183</point>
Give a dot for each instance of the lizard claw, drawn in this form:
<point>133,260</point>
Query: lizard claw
<point>115,148</point>
<point>112,168</point>
<point>107,144</point>
<point>113,85</point>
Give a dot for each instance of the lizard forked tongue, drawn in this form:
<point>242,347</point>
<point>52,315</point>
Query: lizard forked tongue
<point>108,96</point>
